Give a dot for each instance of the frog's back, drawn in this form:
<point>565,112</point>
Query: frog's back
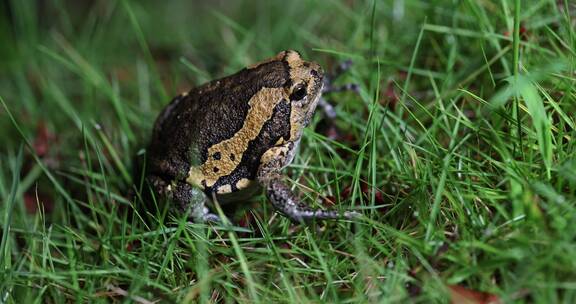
<point>208,115</point>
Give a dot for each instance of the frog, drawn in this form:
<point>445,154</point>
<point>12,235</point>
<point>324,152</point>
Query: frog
<point>227,139</point>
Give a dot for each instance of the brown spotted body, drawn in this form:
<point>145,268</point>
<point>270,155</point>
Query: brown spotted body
<point>230,134</point>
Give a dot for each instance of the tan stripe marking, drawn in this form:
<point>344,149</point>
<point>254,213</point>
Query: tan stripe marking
<point>243,183</point>
<point>224,189</point>
<point>261,108</point>
<point>275,153</point>
<point>298,72</point>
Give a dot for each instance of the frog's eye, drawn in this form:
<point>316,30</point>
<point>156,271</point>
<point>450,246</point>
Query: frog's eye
<point>298,93</point>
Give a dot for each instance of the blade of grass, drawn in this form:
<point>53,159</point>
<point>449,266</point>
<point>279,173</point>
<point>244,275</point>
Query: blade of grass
<point>540,121</point>
<point>5,259</point>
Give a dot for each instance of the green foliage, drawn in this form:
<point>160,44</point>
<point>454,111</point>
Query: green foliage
<point>459,149</point>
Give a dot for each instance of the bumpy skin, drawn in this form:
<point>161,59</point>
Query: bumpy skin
<point>232,134</point>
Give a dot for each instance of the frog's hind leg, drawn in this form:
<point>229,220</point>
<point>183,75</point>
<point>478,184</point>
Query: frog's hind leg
<point>325,106</point>
<point>340,70</point>
<point>284,200</point>
<point>193,199</point>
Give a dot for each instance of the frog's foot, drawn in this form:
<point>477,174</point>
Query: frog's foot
<point>201,214</point>
<point>284,201</point>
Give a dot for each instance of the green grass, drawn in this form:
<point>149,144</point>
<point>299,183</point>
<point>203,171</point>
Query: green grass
<point>459,149</point>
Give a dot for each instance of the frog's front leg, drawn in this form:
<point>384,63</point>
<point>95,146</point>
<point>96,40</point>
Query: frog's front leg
<point>283,199</point>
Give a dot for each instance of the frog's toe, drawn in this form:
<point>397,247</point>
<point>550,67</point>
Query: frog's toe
<point>352,215</point>
<point>211,218</point>
<point>201,214</point>
<point>306,215</point>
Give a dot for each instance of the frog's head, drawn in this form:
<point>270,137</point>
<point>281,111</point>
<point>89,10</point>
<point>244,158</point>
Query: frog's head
<point>303,90</point>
